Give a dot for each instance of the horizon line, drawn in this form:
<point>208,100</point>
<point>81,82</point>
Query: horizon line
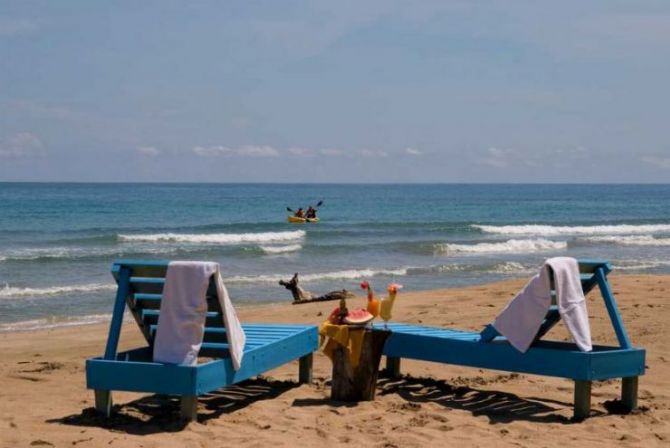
<point>321,183</point>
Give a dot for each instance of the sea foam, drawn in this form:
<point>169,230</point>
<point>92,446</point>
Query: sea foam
<point>547,230</point>
<point>509,267</point>
<point>273,250</point>
<point>350,274</point>
<point>216,238</point>
<point>51,322</point>
<point>74,253</point>
<point>12,292</point>
<point>509,246</point>
<point>629,240</point>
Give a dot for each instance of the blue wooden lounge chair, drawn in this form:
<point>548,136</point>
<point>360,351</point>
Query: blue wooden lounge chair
<point>140,284</point>
<point>551,358</point>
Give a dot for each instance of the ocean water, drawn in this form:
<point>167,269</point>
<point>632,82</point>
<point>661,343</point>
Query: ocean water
<point>58,241</point>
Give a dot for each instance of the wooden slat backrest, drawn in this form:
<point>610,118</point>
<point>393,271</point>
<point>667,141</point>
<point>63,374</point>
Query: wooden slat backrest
<point>593,273</point>
<point>146,281</point>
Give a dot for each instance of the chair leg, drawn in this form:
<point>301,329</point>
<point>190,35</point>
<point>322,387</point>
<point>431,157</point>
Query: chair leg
<point>103,402</point>
<point>629,392</point>
<point>582,407</point>
<point>189,407</point>
<point>305,369</point>
<point>393,366</point>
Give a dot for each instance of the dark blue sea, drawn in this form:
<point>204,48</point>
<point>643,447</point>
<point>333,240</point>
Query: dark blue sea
<point>58,241</point>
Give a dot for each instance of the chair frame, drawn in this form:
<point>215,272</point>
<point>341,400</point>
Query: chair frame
<point>140,283</point>
<point>549,358</point>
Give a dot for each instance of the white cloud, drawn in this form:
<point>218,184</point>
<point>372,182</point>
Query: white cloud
<point>373,153</point>
<point>413,151</point>
<point>660,162</point>
<point>148,151</point>
<point>302,152</point>
<point>257,151</point>
<point>331,152</point>
<point>243,151</point>
<point>211,151</point>
<point>11,26</point>
<point>21,145</point>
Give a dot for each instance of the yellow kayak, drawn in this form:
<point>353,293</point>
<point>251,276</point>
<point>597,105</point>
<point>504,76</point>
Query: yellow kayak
<point>297,220</point>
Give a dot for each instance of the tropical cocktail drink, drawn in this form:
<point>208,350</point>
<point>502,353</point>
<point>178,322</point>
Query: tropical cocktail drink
<point>387,303</point>
<point>373,303</point>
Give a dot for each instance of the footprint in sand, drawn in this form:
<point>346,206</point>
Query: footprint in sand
<point>45,367</point>
<point>27,378</point>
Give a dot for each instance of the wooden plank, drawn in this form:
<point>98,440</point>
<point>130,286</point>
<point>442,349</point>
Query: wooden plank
<point>544,358</point>
<point>488,334</point>
<point>612,309</point>
<point>253,336</point>
<point>305,369</point>
<point>220,372</point>
<point>141,268</point>
<point>393,367</point>
<point>147,285</point>
<point>103,402</point>
<point>147,301</point>
<point>153,301</point>
<point>629,392</point>
<point>189,408</point>
<point>587,266</point>
<point>618,363</point>
<point>212,319</point>
<point>117,314</point>
<point>136,376</point>
<point>582,406</point>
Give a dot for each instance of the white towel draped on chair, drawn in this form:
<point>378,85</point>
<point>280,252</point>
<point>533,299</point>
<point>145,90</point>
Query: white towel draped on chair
<point>181,323</point>
<point>521,319</point>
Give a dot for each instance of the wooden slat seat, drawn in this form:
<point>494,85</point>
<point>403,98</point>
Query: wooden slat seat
<point>487,349</point>
<point>140,287</point>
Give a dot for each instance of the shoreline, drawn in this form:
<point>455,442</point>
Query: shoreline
<point>44,400</point>
<point>104,318</point>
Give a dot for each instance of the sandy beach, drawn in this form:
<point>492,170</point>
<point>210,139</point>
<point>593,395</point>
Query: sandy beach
<point>44,401</point>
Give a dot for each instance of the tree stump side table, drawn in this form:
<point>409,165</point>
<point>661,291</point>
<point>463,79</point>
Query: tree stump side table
<point>358,384</point>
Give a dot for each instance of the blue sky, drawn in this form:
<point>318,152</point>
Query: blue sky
<point>346,91</point>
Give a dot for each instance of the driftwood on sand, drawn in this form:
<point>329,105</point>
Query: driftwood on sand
<point>301,295</point>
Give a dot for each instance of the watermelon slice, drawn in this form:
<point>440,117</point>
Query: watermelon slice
<point>358,317</point>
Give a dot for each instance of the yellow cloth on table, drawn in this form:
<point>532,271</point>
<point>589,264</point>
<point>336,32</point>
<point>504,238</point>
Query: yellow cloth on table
<point>340,335</point>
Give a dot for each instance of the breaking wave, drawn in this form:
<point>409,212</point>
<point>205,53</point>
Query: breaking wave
<point>509,246</point>
<point>215,238</point>
<point>351,274</point>
<point>273,250</point>
<point>639,265</point>
<point>12,292</point>
<point>72,253</point>
<point>46,323</point>
<point>510,267</point>
<point>547,230</point>
<point>629,240</point>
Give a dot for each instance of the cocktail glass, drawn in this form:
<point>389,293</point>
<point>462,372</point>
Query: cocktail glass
<point>387,303</point>
<point>387,309</point>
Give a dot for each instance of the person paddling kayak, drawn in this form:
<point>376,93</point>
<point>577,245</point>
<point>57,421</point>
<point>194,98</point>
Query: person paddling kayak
<point>300,216</point>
